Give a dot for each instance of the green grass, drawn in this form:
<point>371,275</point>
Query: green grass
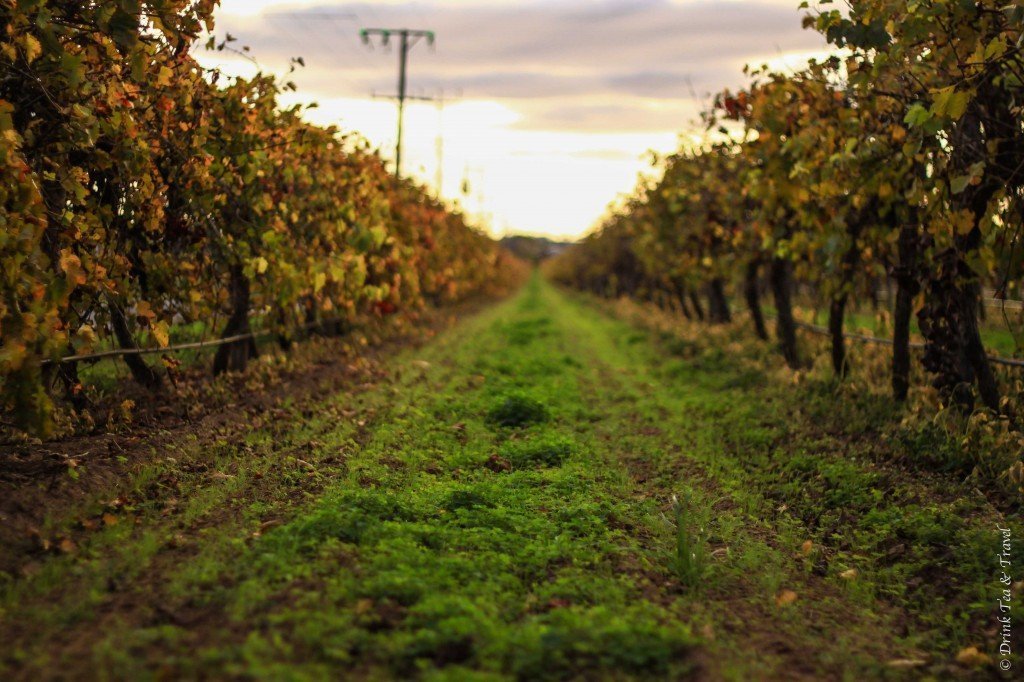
<point>1001,336</point>
<point>543,493</point>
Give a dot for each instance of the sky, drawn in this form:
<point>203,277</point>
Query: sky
<point>551,107</point>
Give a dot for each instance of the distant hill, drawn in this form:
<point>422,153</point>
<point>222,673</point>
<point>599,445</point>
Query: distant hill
<point>534,249</point>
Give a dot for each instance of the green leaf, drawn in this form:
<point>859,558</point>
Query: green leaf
<point>959,184</point>
<point>917,115</point>
<point>996,48</point>
<point>125,27</point>
<point>73,69</point>
<point>139,63</point>
<point>950,103</point>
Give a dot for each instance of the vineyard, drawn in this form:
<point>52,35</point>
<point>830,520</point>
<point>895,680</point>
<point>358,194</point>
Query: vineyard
<point>268,411</point>
<point>901,163</point>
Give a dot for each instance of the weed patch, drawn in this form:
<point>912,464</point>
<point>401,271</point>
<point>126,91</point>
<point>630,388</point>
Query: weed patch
<point>517,410</point>
<point>689,561</point>
<point>546,451</point>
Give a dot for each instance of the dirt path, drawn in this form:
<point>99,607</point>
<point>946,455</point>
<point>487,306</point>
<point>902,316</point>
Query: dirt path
<point>499,504</point>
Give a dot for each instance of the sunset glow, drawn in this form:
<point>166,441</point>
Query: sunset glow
<point>552,107</point>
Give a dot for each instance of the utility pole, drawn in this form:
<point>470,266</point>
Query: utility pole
<point>441,100</point>
<point>407,39</point>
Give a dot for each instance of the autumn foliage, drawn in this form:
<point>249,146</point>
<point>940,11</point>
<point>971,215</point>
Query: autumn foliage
<point>141,191</point>
<point>902,160</point>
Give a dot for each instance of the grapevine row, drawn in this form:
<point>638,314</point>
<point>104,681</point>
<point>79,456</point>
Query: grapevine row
<point>902,160</point>
<point>140,191</point>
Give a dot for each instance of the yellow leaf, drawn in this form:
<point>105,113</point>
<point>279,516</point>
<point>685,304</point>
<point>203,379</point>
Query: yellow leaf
<point>949,102</point>
<point>72,267</point>
<point>31,47</point>
<point>163,78</point>
<point>996,48</point>
<point>161,334</point>
<point>963,222</point>
<point>785,598</point>
<point>319,280</point>
<point>970,656</point>
<point>144,311</point>
<point>87,333</point>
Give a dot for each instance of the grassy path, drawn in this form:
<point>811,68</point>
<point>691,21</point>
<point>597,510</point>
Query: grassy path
<point>499,504</point>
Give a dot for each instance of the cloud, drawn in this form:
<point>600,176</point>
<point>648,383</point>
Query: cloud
<point>595,154</point>
<point>573,52</point>
<point>605,117</point>
<point>559,98</point>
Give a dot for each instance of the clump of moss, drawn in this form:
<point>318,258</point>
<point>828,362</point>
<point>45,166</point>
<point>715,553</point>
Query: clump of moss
<point>517,410</point>
<point>466,499</point>
<point>544,452</point>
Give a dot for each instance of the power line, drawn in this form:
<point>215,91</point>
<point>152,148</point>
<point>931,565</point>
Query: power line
<point>441,101</point>
<point>407,39</point>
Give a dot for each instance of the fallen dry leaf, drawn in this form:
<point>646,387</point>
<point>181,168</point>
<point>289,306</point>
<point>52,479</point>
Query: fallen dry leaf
<point>785,598</point>
<point>970,656</point>
<point>848,574</point>
<point>806,548</point>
